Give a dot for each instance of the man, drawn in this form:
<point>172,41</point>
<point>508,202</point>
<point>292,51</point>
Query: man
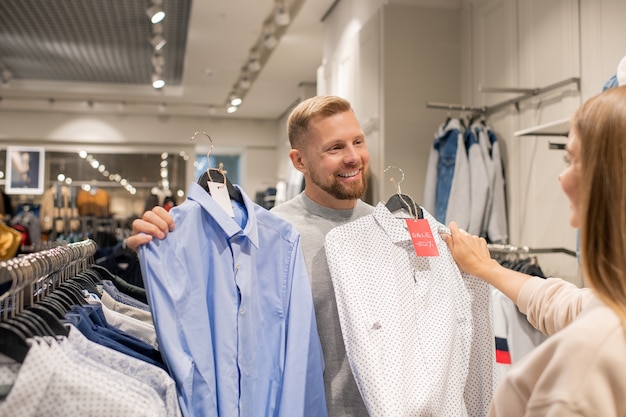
<point>328,147</point>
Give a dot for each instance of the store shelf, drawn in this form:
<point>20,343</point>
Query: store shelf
<point>555,128</point>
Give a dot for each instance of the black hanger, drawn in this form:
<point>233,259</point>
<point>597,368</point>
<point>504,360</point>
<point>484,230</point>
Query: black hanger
<point>26,328</point>
<point>400,201</point>
<point>38,322</point>
<point>103,273</point>
<point>54,306</point>
<point>217,176</point>
<point>85,283</point>
<point>91,275</point>
<point>73,291</point>
<point>404,202</point>
<point>13,342</point>
<point>62,298</point>
<point>50,318</point>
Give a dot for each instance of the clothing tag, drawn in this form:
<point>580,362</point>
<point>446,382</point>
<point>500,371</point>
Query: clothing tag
<point>219,192</point>
<point>422,237</point>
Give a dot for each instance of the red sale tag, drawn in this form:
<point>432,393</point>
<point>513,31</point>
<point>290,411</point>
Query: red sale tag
<point>422,237</point>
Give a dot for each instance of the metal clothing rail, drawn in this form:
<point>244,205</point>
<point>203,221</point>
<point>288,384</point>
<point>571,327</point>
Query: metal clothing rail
<point>69,257</point>
<point>499,248</point>
<point>526,93</point>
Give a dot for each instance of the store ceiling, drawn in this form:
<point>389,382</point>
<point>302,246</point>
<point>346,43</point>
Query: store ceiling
<point>96,56</point>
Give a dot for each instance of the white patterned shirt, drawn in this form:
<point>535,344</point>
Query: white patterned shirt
<point>51,383</point>
<point>418,332</point>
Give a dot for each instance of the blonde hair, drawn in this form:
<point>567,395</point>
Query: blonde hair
<point>301,116</point>
<point>600,126</point>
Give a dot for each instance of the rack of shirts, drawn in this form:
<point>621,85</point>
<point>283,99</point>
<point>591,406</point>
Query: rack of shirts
<point>465,179</point>
<point>514,335</point>
<point>71,346</point>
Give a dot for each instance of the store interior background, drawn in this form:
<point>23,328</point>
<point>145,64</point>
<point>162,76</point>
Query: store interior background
<point>389,58</point>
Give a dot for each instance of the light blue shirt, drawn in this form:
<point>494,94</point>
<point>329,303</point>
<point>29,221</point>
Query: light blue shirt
<point>233,311</point>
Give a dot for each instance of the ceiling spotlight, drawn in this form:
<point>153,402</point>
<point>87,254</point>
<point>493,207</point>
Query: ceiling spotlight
<point>269,40</point>
<point>281,14</point>
<point>244,82</point>
<point>158,61</point>
<point>254,62</point>
<point>254,65</point>
<point>155,12</point>
<point>158,42</point>
<point>157,81</point>
<point>235,100</point>
<point>231,109</point>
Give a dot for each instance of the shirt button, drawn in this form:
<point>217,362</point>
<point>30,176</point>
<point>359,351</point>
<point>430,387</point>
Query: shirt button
<point>241,311</point>
<point>237,266</point>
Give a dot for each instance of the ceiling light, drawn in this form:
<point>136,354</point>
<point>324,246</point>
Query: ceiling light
<point>254,62</point>
<point>244,83</point>
<point>158,42</point>
<point>155,12</point>
<point>254,65</point>
<point>269,40</point>
<point>231,109</point>
<point>158,61</point>
<point>281,14</point>
<point>235,100</point>
<point>157,81</point>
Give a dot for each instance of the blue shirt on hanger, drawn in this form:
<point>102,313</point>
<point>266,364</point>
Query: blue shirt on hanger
<point>233,311</point>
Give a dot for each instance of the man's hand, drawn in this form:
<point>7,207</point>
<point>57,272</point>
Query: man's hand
<point>154,223</point>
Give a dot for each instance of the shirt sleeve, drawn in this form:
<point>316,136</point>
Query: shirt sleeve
<point>553,303</point>
<point>303,384</point>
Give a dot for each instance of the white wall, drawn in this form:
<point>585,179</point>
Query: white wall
<point>388,59</point>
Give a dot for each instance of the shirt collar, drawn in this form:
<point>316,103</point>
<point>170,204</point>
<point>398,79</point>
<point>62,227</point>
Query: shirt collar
<point>223,220</point>
<point>397,230</point>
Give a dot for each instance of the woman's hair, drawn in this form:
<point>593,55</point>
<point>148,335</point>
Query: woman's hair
<point>301,115</point>
<point>600,126</point>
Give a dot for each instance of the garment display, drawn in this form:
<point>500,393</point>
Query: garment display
<point>10,240</point>
<point>418,332</point>
<point>233,311</point>
<point>465,179</point>
<point>447,186</point>
<point>58,210</point>
<point>94,202</point>
<point>314,221</point>
<point>30,224</point>
<point>595,336</point>
<point>69,354</point>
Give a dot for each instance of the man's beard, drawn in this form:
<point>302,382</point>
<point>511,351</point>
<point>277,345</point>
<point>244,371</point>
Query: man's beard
<point>339,190</point>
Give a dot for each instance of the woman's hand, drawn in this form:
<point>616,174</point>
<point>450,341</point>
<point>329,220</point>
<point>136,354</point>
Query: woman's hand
<point>469,252</point>
<point>154,223</point>
<point>472,256</point>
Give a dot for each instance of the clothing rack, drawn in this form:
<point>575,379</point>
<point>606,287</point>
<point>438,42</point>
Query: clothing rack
<point>503,249</point>
<point>526,93</point>
<point>67,258</point>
